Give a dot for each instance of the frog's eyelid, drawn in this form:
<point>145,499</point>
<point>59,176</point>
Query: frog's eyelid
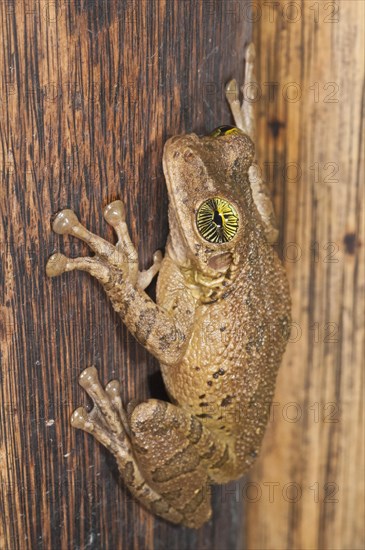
<point>225,131</point>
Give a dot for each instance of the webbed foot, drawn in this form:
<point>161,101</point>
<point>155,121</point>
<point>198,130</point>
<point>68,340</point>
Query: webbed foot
<point>109,423</point>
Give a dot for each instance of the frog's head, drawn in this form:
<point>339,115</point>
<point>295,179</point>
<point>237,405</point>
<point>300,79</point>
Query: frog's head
<point>210,201</point>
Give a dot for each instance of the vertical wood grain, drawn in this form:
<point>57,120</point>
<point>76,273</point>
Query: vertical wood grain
<point>90,91</point>
<point>310,476</point>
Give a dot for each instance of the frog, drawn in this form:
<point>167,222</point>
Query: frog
<point>218,326</point>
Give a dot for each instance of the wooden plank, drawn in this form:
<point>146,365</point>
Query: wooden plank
<point>90,91</point>
<point>310,477</point>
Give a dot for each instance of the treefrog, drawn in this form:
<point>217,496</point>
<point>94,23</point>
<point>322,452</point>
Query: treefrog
<point>218,327</point>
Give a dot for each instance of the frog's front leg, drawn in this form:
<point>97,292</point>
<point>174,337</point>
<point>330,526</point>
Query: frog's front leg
<point>264,205</point>
<point>116,267</point>
<point>123,255</point>
<point>243,114</point>
<point>161,451</point>
<point>244,118</point>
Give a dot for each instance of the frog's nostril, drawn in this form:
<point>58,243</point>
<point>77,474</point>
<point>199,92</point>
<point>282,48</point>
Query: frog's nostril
<point>188,155</point>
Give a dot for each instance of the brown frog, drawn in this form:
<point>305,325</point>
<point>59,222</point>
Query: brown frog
<point>219,326</point>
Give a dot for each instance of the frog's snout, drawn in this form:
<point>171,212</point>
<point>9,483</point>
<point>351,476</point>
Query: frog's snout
<point>173,140</point>
<point>181,140</point>
<point>183,147</point>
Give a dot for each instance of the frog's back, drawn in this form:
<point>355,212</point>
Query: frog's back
<point>227,375</point>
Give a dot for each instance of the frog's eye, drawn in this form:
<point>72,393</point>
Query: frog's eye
<point>225,131</point>
<point>217,220</point>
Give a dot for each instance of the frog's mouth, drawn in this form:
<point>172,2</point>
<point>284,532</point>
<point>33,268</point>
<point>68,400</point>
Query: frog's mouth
<point>220,262</point>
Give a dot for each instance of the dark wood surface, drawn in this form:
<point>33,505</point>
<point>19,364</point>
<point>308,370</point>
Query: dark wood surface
<point>90,91</point>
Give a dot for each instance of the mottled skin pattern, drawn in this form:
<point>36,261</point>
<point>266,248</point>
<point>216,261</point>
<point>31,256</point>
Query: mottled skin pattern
<point>219,327</point>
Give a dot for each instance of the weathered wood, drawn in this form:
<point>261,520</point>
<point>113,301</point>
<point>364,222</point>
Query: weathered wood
<point>90,90</point>
<point>316,445</point>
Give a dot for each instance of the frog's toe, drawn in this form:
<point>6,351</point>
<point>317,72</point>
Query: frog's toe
<point>114,213</point>
<point>80,419</point>
<point>232,91</point>
<point>93,423</point>
<point>157,257</point>
<point>145,277</point>
<point>108,407</point>
<point>56,265</point>
<point>121,258</point>
<point>250,53</point>
<point>113,390</point>
<point>65,221</point>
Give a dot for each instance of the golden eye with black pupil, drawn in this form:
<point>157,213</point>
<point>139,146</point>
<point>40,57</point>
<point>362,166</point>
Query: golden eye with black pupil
<point>225,131</point>
<point>217,220</point>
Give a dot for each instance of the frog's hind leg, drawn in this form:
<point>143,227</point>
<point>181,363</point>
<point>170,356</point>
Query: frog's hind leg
<point>158,447</point>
